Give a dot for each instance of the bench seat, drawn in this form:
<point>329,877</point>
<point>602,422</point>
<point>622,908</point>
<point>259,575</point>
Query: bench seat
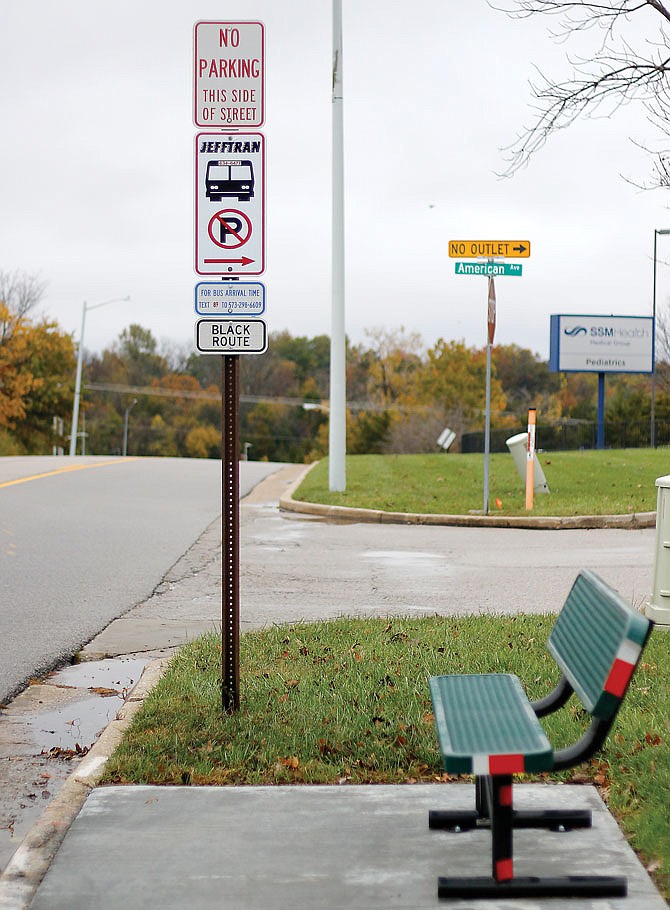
<point>486,725</point>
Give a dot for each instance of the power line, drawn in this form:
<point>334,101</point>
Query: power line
<point>204,395</point>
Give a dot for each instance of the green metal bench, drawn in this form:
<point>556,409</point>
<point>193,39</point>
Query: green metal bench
<point>486,726</point>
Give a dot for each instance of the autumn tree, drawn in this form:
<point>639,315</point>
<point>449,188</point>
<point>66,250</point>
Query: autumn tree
<point>16,382</point>
<point>36,365</point>
<point>49,358</point>
<point>396,357</point>
<point>162,423</point>
<point>20,292</point>
<point>622,67</point>
<point>454,378</point>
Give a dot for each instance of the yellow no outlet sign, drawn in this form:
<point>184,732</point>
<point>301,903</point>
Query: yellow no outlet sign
<point>489,249</point>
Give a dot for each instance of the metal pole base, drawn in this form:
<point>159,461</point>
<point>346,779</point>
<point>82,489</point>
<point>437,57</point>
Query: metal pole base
<point>569,886</point>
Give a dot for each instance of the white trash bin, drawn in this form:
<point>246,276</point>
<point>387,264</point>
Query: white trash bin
<point>518,446</point>
<point>658,608</point>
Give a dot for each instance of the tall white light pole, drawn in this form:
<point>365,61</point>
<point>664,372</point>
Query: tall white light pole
<point>80,361</point>
<point>652,428</point>
<point>337,432</point>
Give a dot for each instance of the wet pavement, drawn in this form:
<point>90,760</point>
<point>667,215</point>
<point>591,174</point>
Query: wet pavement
<point>47,730</point>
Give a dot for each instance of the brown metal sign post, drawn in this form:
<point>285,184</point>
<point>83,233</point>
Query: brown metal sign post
<point>230,619</point>
<point>237,336</point>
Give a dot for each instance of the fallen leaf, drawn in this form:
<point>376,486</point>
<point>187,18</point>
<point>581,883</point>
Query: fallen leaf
<point>104,691</point>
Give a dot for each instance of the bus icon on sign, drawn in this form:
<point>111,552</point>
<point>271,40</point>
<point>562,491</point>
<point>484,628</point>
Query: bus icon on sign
<point>229,178</point>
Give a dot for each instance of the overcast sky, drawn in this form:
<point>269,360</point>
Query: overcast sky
<point>97,157</point>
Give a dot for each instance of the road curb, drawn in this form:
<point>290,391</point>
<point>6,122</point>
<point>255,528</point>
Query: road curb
<point>27,867</point>
<point>632,521</point>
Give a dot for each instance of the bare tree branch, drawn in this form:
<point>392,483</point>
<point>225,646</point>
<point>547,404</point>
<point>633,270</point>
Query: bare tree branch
<point>613,76</point>
<point>20,292</point>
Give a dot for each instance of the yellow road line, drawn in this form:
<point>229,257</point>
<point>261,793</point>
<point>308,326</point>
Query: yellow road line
<point>65,470</point>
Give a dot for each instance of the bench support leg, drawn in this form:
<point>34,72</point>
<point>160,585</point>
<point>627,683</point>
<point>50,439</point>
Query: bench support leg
<point>494,799</point>
<point>480,816</point>
<point>500,789</point>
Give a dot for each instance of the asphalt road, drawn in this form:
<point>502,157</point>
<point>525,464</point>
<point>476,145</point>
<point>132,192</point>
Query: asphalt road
<point>296,567</point>
<point>83,540</point>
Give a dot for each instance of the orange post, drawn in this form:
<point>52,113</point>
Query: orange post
<point>530,459</point>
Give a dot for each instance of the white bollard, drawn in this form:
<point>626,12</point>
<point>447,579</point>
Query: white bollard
<point>518,446</point>
<point>658,608</point>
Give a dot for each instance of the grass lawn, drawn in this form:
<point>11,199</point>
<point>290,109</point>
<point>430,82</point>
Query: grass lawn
<point>348,702</point>
<point>609,482</point>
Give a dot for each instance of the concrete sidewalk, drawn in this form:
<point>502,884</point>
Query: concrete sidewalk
<point>303,848</point>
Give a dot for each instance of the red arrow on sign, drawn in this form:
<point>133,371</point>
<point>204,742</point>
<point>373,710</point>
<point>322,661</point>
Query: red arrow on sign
<point>243,261</point>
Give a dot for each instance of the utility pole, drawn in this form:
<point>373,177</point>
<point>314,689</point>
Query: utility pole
<point>337,428</point>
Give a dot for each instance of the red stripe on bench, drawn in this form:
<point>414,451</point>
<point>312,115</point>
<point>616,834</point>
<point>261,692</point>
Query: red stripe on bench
<point>619,676</point>
<point>506,795</point>
<point>504,870</point>
<point>506,764</point>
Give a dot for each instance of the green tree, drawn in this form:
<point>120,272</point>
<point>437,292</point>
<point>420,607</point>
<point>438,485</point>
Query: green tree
<point>311,360</point>
<point>526,382</point>
<point>367,432</point>
<point>137,349</point>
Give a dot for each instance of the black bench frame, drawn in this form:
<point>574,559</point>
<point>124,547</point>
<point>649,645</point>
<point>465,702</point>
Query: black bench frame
<point>493,791</point>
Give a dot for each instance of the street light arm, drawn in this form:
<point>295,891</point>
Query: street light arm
<point>106,302</point>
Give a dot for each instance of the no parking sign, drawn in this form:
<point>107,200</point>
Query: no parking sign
<point>230,204</point>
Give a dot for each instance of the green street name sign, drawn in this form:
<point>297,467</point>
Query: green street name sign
<point>489,269</point>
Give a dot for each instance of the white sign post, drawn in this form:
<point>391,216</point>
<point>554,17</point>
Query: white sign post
<point>229,74</point>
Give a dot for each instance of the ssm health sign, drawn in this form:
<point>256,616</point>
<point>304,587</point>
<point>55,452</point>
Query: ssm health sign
<point>601,344</point>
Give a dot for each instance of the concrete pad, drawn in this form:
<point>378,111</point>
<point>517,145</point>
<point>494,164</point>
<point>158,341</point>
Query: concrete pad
<point>303,848</point>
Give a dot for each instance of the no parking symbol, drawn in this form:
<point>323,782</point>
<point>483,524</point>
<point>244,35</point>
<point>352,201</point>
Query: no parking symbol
<point>229,229</point>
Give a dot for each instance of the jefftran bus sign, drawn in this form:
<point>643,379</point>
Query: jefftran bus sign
<point>601,344</point>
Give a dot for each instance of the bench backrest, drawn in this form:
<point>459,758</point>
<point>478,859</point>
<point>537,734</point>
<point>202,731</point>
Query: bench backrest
<point>597,641</point>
